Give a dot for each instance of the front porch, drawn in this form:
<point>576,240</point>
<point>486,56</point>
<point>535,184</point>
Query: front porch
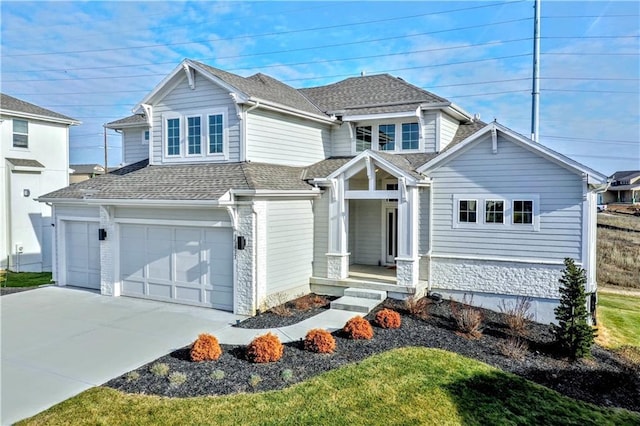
<point>367,277</point>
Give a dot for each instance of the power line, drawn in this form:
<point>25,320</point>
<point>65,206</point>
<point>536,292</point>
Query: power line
<point>590,91</point>
<point>246,36</point>
<point>590,139</point>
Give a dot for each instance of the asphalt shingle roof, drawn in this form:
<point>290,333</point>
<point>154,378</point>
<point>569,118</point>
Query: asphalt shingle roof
<point>134,119</point>
<point>370,94</point>
<point>464,131</point>
<point>11,104</point>
<point>184,181</point>
<point>86,168</point>
<point>21,162</point>
<point>264,87</point>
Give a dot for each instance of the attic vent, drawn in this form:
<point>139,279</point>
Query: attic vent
<point>476,117</point>
<point>363,73</point>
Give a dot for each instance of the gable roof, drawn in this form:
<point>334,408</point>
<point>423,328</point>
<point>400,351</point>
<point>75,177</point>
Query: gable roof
<point>594,176</point>
<point>19,108</point>
<point>625,175</point>
<point>380,93</point>
<point>135,120</point>
<point>189,182</point>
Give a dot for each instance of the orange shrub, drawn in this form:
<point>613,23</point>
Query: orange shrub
<point>358,328</point>
<point>320,341</point>
<point>205,348</point>
<point>388,318</point>
<point>265,348</point>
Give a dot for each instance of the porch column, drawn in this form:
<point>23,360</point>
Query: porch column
<point>109,284</point>
<point>338,257</point>
<point>407,261</point>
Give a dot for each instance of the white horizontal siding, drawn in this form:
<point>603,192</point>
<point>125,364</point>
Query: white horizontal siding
<point>205,96</point>
<point>77,211</point>
<point>514,170</point>
<point>289,244</point>
<point>341,142</point>
<point>133,150</point>
<point>282,139</point>
<point>448,128</point>
<point>172,214</point>
<point>429,131</point>
<point>320,234</point>
<point>366,231</point>
<point>423,221</point>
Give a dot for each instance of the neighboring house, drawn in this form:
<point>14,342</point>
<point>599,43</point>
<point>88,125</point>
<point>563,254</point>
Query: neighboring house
<point>35,161</point>
<point>625,188</point>
<point>238,190</point>
<point>82,172</point>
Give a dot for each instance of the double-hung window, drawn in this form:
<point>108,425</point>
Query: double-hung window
<point>387,137</point>
<point>363,138</point>
<point>20,133</point>
<point>194,135</point>
<point>410,136</point>
<point>467,211</point>
<point>523,212</point>
<point>494,211</point>
<point>173,137</point>
<point>146,134</point>
<point>215,134</point>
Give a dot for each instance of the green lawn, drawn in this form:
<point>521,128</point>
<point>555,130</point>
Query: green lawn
<point>24,279</point>
<point>618,319</point>
<point>404,386</point>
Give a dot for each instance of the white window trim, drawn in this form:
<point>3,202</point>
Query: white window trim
<point>13,132</point>
<point>397,122</point>
<point>144,140</point>
<point>186,135</point>
<point>225,134</point>
<point>507,225</point>
<point>204,155</point>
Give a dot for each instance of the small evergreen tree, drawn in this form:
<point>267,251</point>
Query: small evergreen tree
<point>573,333</point>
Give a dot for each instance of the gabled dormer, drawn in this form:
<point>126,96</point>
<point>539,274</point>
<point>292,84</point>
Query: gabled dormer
<point>385,113</point>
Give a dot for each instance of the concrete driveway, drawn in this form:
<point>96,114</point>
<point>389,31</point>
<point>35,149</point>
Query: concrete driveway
<point>57,342</point>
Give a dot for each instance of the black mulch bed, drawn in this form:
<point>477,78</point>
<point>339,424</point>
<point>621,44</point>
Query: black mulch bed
<point>605,379</point>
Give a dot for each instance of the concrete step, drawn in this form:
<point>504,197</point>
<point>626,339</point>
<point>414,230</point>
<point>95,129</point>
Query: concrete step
<point>355,304</point>
<point>364,293</point>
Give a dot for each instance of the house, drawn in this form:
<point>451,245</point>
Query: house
<point>82,172</point>
<point>240,189</point>
<point>35,161</point>
<point>625,188</point>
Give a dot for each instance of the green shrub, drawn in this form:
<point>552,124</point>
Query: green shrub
<point>176,378</point>
<point>217,375</point>
<point>287,375</point>
<point>254,380</point>
<point>132,376</point>
<point>160,369</point>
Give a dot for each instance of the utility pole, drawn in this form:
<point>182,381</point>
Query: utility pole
<point>106,159</point>
<point>535,101</point>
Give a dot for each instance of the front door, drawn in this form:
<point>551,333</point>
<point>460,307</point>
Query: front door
<point>391,243</point>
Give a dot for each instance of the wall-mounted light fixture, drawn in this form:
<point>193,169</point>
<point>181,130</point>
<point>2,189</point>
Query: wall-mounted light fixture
<point>26,192</point>
<point>242,243</point>
<point>102,234</point>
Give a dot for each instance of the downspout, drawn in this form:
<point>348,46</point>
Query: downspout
<point>430,251</point>
<point>245,145</point>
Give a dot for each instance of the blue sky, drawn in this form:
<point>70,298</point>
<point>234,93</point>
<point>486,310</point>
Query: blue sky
<point>95,60</point>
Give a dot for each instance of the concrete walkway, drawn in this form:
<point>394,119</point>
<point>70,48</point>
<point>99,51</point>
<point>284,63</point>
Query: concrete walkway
<point>58,342</point>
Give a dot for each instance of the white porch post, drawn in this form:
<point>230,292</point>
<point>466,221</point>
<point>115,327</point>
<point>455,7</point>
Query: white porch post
<point>407,260</point>
<point>338,257</point>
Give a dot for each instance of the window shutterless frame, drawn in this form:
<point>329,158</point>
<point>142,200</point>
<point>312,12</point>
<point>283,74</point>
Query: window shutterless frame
<point>20,133</point>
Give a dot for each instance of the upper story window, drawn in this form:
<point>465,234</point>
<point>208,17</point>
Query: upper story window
<point>20,133</point>
<point>173,136</point>
<point>494,211</point>
<point>522,211</point>
<point>387,137</point>
<point>196,135</point>
<point>145,136</point>
<point>468,211</point>
<point>410,136</point>
<point>215,133</point>
<point>363,138</point>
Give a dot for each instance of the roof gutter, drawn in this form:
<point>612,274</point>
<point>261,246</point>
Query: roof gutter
<point>312,192</point>
<point>140,203</point>
<point>273,106</point>
<point>69,121</point>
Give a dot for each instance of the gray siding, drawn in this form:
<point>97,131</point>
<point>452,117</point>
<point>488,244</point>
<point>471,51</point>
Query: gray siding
<point>289,244</point>
<point>133,150</point>
<point>423,221</point>
<point>429,131</point>
<point>448,128</point>
<point>320,234</point>
<point>514,170</point>
<point>367,231</point>
<point>77,211</point>
<point>182,99</point>
<point>341,140</point>
<point>283,139</point>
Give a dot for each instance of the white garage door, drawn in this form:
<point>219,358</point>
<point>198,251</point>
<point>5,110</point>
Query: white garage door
<point>178,264</point>
<point>82,254</point>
